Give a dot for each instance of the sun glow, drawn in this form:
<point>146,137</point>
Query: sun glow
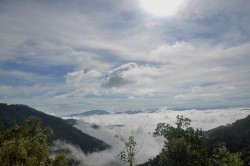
<point>161,8</point>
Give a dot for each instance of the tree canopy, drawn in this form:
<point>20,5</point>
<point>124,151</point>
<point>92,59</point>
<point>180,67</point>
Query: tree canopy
<point>184,145</point>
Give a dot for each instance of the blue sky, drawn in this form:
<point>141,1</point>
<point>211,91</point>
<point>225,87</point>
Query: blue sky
<point>63,56</point>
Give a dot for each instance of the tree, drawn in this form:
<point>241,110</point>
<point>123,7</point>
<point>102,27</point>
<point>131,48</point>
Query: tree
<point>183,145</point>
<point>26,145</point>
<point>129,151</point>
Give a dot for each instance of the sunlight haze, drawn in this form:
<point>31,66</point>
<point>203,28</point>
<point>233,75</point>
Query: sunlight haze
<point>161,8</point>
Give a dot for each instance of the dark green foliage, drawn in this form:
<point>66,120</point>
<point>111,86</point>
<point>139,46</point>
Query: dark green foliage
<point>26,145</point>
<point>60,160</point>
<point>187,146</point>
<point>11,115</point>
<point>183,146</point>
<point>236,137</point>
<point>224,158</point>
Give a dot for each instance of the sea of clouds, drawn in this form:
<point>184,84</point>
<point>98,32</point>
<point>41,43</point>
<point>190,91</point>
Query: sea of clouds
<point>141,126</point>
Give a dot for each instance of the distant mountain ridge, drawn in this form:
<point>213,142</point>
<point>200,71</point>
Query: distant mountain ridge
<point>11,115</point>
<point>103,112</point>
<point>130,112</point>
<point>89,113</point>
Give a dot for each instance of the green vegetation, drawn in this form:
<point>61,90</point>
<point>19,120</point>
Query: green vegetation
<point>236,137</point>
<point>187,146</point>
<point>26,145</point>
<point>183,145</point>
<point>11,115</point>
<point>60,160</point>
<point>224,158</point>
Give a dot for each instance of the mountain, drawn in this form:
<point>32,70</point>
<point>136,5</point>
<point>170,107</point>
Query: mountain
<point>89,113</point>
<point>130,112</point>
<point>11,115</point>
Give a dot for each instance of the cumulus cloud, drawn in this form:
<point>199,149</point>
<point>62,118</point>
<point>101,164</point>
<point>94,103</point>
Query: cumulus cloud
<point>189,65</point>
<point>176,53</point>
<point>129,73</point>
<point>117,78</point>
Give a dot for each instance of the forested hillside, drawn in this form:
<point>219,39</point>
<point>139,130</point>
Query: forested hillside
<point>235,136</point>
<point>11,115</point>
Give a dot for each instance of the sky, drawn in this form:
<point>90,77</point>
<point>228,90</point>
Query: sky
<point>63,57</point>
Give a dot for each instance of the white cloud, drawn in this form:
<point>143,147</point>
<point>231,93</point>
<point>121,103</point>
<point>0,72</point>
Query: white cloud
<point>180,96</point>
<point>82,83</point>
<point>116,78</point>
<point>206,42</point>
<point>103,158</point>
<point>144,123</point>
<point>176,53</point>
<point>192,65</point>
<point>81,77</point>
<point>148,121</point>
<point>129,73</point>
